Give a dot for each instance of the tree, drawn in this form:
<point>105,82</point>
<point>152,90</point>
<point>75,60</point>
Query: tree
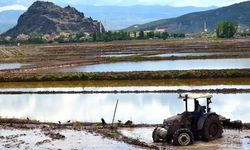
<point>178,35</point>
<point>164,35</point>
<point>94,36</point>
<point>226,29</point>
<point>60,39</point>
<point>134,34</point>
<point>141,35</point>
<point>80,34</point>
<point>157,35</point>
<point>150,34</point>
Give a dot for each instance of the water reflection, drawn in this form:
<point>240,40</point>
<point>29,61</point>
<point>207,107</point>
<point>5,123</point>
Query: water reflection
<point>199,54</point>
<point>141,108</point>
<point>11,66</point>
<point>119,55</point>
<point>163,65</point>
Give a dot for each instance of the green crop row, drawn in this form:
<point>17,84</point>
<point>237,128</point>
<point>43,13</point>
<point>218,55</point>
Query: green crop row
<point>143,75</point>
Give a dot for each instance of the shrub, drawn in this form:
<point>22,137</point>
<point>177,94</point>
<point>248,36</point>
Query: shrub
<point>226,29</point>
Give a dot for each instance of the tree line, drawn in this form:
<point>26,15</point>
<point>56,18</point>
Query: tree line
<point>122,35</point>
<point>224,29</point>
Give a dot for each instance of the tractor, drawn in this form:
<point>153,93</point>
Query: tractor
<point>184,128</point>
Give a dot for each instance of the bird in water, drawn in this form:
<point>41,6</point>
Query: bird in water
<point>103,122</point>
<point>119,122</point>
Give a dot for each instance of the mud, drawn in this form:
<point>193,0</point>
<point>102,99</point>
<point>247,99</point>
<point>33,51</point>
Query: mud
<point>48,136</point>
<point>232,139</point>
<point>79,135</point>
<point>127,83</point>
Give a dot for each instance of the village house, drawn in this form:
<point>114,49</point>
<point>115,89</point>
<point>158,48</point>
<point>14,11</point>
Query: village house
<point>23,37</point>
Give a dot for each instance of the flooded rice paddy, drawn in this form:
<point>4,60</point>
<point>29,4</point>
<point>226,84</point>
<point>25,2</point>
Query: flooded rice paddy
<point>199,54</point>
<point>195,64</point>
<point>11,66</point>
<point>119,55</point>
<point>140,108</point>
<point>36,139</point>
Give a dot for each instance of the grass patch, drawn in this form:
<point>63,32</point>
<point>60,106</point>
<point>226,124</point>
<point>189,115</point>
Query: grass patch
<point>141,75</point>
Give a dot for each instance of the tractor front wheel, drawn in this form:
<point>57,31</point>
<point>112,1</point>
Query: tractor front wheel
<point>183,137</point>
<point>155,137</point>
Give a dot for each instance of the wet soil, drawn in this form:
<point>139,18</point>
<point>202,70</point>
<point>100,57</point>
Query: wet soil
<point>128,83</point>
<point>57,136</point>
<point>27,134</point>
<point>47,57</point>
<point>232,139</point>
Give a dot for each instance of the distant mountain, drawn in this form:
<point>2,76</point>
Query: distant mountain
<point>120,17</point>
<point>46,18</point>
<point>194,22</point>
<point>113,17</point>
<point>8,19</point>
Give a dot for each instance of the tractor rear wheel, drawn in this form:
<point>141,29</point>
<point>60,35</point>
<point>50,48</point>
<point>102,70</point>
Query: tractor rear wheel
<point>212,128</point>
<point>183,137</point>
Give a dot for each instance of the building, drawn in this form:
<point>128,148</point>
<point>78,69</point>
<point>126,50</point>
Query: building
<point>23,37</point>
<point>160,30</point>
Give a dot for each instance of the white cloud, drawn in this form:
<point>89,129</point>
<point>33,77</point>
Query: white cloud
<point>13,7</point>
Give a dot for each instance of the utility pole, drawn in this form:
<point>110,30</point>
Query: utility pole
<point>114,112</point>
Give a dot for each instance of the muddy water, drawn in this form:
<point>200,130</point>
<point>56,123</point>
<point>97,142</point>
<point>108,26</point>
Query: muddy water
<point>231,140</point>
<point>11,66</point>
<point>140,108</point>
<point>29,139</point>
<point>199,54</point>
<point>163,65</point>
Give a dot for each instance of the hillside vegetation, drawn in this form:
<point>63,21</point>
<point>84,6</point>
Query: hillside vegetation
<point>194,22</point>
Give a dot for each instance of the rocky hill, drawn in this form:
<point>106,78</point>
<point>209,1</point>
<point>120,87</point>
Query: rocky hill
<point>125,15</point>
<point>46,18</point>
<point>194,22</point>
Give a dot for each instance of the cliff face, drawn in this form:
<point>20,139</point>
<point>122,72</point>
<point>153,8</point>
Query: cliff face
<point>46,18</point>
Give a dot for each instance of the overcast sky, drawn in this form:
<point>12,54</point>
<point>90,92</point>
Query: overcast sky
<point>23,4</point>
